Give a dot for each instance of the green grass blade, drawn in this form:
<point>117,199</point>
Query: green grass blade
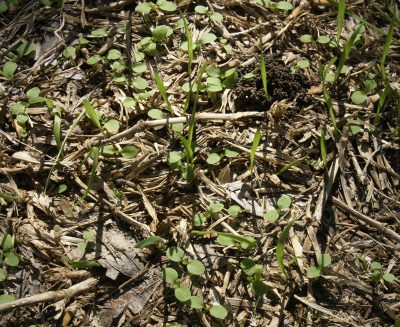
<point>57,131</point>
<point>346,50</point>
<point>280,246</point>
<point>95,156</point>
<point>340,19</point>
<point>288,166</point>
<point>190,60</point>
<point>264,76</point>
<point>323,146</point>
<point>69,132</point>
<point>233,236</point>
<point>94,118</point>
<point>256,142</point>
<point>163,90</point>
<point>386,93</point>
<point>388,42</point>
<point>8,197</point>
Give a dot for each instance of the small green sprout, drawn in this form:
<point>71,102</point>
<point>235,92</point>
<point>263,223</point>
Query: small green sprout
<point>283,203</point>
<point>7,256</point>
<point>324,261</point>
<point>216,17</point>
<point>145,8</point>
<point>379,274</point>
<point>88,237</point>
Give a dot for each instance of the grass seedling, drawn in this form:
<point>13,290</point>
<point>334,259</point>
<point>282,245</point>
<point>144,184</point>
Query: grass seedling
<point>346,50</point>
<point>324,72</point>
<point>263,70</point>
<point>280,247</point>
<point>190,60</point>
<point>256,142</point>
<point>340,20</point>
<point>163,91</point>
<point>323,146</point>
<point>388,42</point>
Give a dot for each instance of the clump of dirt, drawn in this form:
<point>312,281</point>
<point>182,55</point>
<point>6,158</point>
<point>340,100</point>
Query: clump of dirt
<point>281,84</point>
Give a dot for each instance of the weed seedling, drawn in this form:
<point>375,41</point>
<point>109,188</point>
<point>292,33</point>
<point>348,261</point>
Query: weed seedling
<point>253,273</point>
<point>8,258</point>
<point>324,261</point>
<point>379,274</point>
<point>193,269</point>
<point>283,203</point>
<point>88,238</point>
<point>216,17</point>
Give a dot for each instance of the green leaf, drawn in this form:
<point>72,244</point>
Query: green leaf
<point>61,188</point>
<point>129,152</point>
<point>156,114</point>
<point>114,54</point>
<point>196,302</point>
<point>17,108</point>
<point>231,77</point>
<point>284,202</point>
<point>69,52</point>
<point>375,265</point>
<point>202,10</point>
<point>230,153</point>
<point>280,246</point>
<point>213,71</point>
<point>264,78</point>
<point>163,90</point>
<point>284,5</point>
<point>112,126</point>
<point>143,8</point>
<point>2,275</point>
<point>208,38</point>
<point>9,69</point>
<point>303,64</point>
<point>22,119</point>
<point>217,17</point>
<point>4,6</point>
<point>389,277</point>
<point>234,210</point>
<point>140,83</point>
<point>256,142</point>
<point>149,241</point>
<point>324,260</point>
<point>93,59</point>
<point>174,156</point>
<point>119,66</point>
<point>199,219</point>
<point>323,39</point>
<point>139,67</point>
<point>94,153</point>
<point>271,216</point>
<point>7,242</point>
<point>4,298</point>
<point>250,268</point>
<point>175,253</point>
<point>214,88</point>
<point>83,41</point>
<point>33,92</point>
<point>218,311</point>
<point>213,158</point>
<point>170,275</point>
<point>178,127</point>
<point>88,235</point>
<point>249,241</point>
<point>358,97</point>
<point>226,240</point>
<point>313,272</point>
<point>108,150</point>
<point>99,32</point>
<point>186,87</point>
<point>195,267</point>
<point>215,207</point>
<point>82,246</point>
<point>57,130</point>
<point>129,102</point>
<point>165,5</point>
<point>11,259</point>
<point>259,288</point>
<point>306,38</point>
<point>93,116</point>
<point>161,32</point>
<point>182,293</point>
<point>323,146</point>
<point>26,48</point>
<point>370,85</point>
<point>83,264</point>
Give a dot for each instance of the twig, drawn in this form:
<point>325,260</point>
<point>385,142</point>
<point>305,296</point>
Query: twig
<point>392,235</point>
<point>51,296</point>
